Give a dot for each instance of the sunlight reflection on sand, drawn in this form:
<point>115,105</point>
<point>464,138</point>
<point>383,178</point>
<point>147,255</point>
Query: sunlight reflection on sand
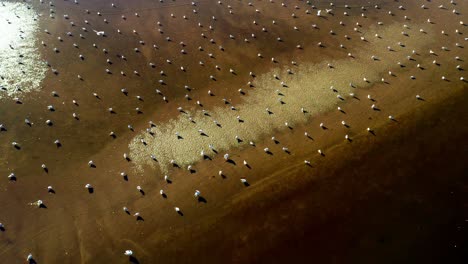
<point>21,67</point>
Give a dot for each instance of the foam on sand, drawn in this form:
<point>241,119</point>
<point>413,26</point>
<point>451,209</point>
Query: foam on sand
<point>308,88</point>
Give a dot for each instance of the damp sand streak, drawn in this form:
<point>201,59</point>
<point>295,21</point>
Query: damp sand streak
<point>308,88</point>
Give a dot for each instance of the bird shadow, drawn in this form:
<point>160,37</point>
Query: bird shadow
<point>91,190</point>
<point>202,199</point>
<point>231,161</point>
<point>133,260</point>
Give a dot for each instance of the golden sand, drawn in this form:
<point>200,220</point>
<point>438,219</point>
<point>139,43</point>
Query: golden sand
<point>308,88</point>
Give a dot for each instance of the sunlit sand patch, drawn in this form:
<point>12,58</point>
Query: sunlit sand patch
<point>307,88</point>
<point>21,67</point>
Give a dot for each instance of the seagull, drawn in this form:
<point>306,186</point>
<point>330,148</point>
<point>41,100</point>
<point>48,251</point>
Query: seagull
<point>99,33</point>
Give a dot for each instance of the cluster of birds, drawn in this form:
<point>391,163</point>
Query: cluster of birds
<point>83,29</point>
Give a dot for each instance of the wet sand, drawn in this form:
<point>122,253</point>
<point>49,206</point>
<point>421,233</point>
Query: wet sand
<point>335,210</point>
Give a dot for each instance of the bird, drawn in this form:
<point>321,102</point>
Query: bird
<point>99,33</point>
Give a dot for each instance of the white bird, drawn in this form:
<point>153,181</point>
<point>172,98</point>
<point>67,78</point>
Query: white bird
<point>99,33</point>
<point>39,203</point>
<point>128,252</point>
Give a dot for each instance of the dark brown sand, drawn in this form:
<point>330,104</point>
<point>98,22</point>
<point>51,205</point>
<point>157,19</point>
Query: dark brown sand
<point>396,196</point>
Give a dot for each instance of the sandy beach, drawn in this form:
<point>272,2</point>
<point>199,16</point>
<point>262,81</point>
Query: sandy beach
<point>345,132</point>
